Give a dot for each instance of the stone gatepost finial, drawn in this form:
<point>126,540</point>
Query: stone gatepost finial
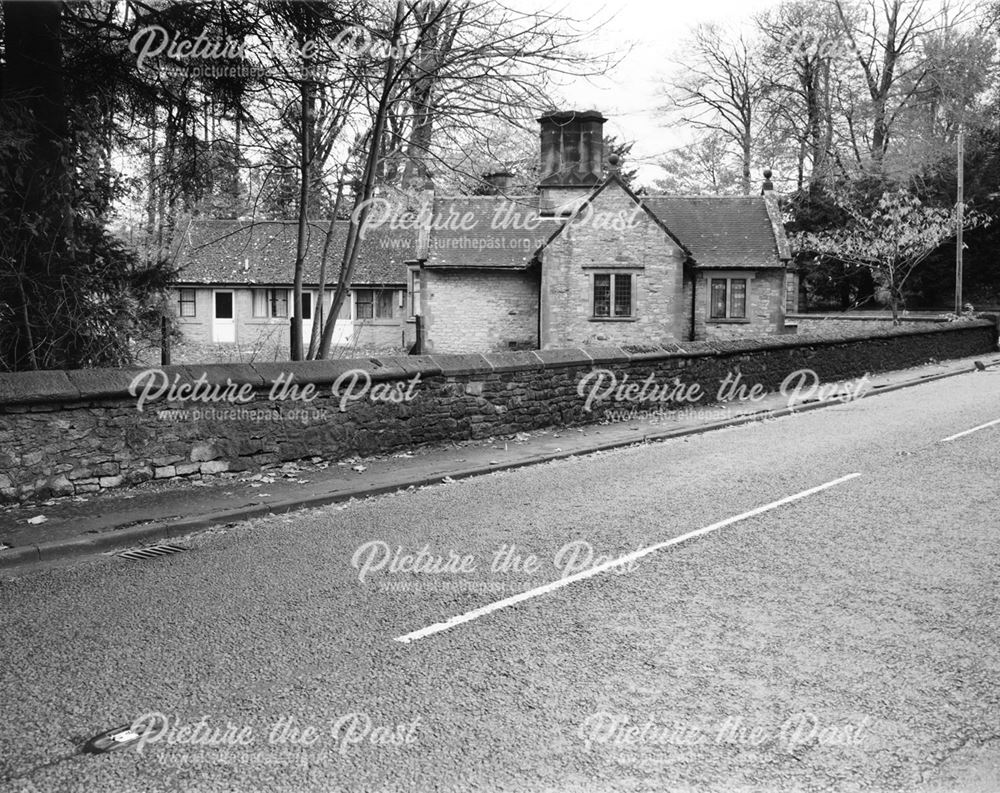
<point>768,186</point>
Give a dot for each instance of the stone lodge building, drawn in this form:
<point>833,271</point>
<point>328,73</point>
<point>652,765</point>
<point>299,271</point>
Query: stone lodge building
<point>584,261</point>
<point>587,261</point>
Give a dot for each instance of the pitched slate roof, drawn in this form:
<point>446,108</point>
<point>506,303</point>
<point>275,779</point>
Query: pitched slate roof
<point>494,232</point>
<point>263,252</point>
<point>472,232</point>
<point>497,232</point>
<point>724,231</point>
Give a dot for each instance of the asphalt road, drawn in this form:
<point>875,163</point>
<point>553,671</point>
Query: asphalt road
<point>846,640</point>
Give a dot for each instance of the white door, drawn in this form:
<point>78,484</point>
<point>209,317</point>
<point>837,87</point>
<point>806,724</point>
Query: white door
<point>223,317</point>
<point>307,316</point>
<point>343,331</point>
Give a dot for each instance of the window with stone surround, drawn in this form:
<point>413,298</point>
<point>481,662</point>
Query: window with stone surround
<point>613,296</point>
<point>727,298</point>
<point>186,302</point>
<point>374,303</point>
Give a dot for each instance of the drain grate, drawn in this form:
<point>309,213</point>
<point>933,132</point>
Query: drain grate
<point>151,551</point>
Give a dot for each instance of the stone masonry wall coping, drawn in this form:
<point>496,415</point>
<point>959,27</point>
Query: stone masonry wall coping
<point>61,387</point>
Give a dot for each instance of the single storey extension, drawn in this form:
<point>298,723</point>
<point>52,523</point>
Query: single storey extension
<point>233,296</point>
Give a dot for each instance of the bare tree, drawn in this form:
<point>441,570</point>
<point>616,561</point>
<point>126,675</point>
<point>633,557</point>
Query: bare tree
<point>722,90</point>
<point>803,45</point>
<point>311,93</point>
<point>436,46</point>
<point>366,191</point>
<point>452,65</point>
<point>480,66</point>
<point>886,38</point>
<point>708,165</point>
<point>319,319</point>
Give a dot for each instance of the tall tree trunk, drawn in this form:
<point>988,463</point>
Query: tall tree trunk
<point>814,118</point>
<point>895,301</point>
<point>152,189</point>
<point>747,187</point>
<point>435,46</point>
<point>308,99</point>
<point>801,166</point>
<point>167,201</point>
<point>318,319</point>
<point>363,199</point>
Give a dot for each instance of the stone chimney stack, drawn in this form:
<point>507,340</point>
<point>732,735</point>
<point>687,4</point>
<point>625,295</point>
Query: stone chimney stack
<point>572,156</point>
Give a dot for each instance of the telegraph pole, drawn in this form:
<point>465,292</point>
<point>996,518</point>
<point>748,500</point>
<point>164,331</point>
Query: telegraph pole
<point>960,215</point>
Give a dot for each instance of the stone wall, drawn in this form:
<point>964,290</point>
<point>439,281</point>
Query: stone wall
<point>591,244</point>
<point>765,305</point>
<point>484,310</point>
<point>81,431</point>
<point>841,323</point>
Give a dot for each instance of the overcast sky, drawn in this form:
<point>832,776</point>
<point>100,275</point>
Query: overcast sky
<point>629,96</point>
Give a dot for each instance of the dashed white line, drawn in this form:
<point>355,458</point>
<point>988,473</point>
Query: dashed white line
<point>468,616</point>
<point>969,432</point>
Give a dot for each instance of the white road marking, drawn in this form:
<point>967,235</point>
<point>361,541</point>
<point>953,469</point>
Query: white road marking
<point>468,616</point>
<point>968,432</point>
